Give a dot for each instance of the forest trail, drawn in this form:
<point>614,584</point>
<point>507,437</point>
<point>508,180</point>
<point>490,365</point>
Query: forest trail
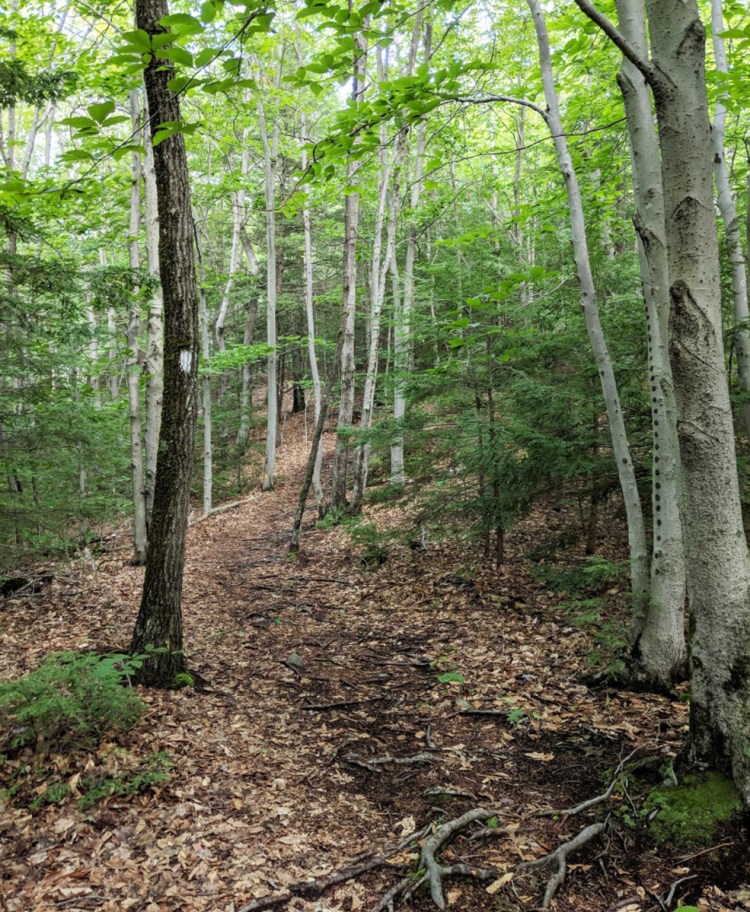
<point>314,669</point>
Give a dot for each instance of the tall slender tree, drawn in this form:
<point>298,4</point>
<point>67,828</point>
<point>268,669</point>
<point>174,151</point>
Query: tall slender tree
<point>159,623</point>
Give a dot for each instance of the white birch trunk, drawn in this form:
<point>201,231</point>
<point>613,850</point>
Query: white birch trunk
<point>639,562</point>
<point>132,368</point>
<point>728,210</point>
<point>660,629</point>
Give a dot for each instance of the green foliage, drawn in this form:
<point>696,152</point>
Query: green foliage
<point>690,814</point>
<point>184,679</point>
<point>71,700</point>
<point>153,770</point>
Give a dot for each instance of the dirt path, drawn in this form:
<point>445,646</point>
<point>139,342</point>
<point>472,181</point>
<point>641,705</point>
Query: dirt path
<point>315,668</point>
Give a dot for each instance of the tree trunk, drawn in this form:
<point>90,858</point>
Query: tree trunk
<point>269,164</point>
<point>154,328</point>
<point>731,221</point>
<point>351,228</point>
<point>402,317</point>
<point>133,368</point>
<point>718,565</point>
<point>159,622</point>
<point>310,314</point>
<point>639,564</point>
<point>208,451</point>
<point>659,631</point>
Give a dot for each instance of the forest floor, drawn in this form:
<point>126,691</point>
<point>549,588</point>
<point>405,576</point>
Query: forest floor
<point>324,732</point>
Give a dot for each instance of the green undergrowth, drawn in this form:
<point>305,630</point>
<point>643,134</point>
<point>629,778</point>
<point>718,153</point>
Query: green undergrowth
<point>689,815</point>
<point>116,772</point>
<point>59,731</point>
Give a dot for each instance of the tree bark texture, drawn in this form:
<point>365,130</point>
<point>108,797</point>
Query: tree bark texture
<point>159,622</point>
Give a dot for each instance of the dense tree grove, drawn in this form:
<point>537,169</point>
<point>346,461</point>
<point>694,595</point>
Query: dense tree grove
<point>501,246</point>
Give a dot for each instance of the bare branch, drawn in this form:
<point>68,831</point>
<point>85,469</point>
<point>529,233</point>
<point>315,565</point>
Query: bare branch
<point>619,40</point>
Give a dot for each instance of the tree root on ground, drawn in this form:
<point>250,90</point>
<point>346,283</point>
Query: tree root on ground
<point>315,886</point>
<point>560,858</point>
<point>429,869</point>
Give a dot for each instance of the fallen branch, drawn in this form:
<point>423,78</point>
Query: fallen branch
<point>560,858</point>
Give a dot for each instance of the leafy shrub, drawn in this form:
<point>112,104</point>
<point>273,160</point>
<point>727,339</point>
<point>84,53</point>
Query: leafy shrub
<point>72,699</point>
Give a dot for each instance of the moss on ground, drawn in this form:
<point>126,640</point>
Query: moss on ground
<point>690,814</point>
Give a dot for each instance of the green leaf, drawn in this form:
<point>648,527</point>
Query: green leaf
<point>182,24</point>
<point>208,12</point>
<point>205,56</point>
<point>138,39</point>
<point>80,123</point>
<point>74,155</point>
<point>176,54</point>
<point>451,676</point>
<point>100,112</point>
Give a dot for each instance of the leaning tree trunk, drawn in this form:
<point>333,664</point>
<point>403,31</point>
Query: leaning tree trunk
<point>659,641</point>
<point>639,564</point>
<point>159,622</point>
<point>731,221</point>
<point>133,360</point>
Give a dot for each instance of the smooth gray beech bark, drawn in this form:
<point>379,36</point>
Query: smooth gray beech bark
<point>718,565</point>
<point>731,220</point>
<point>132,366</point>
<point>351,233</point>
<point>718,568</point>
<point>638,548</point>
<point>403,317</point>
<point>310,315</point>
<point>270,154</point>
<point>208,453</point>
<point>659,630</point>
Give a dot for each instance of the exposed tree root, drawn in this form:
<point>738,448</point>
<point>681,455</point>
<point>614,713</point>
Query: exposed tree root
<point>559,858</point>
<point>430,870</point>
<point>372,763</point>
<point>315,886</point>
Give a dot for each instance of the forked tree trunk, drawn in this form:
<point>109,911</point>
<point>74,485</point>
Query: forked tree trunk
<point>132,367</point>
<point>638,549</point>
<point>731,220</point>
<point>659,644</point>
<point>159,622</point>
